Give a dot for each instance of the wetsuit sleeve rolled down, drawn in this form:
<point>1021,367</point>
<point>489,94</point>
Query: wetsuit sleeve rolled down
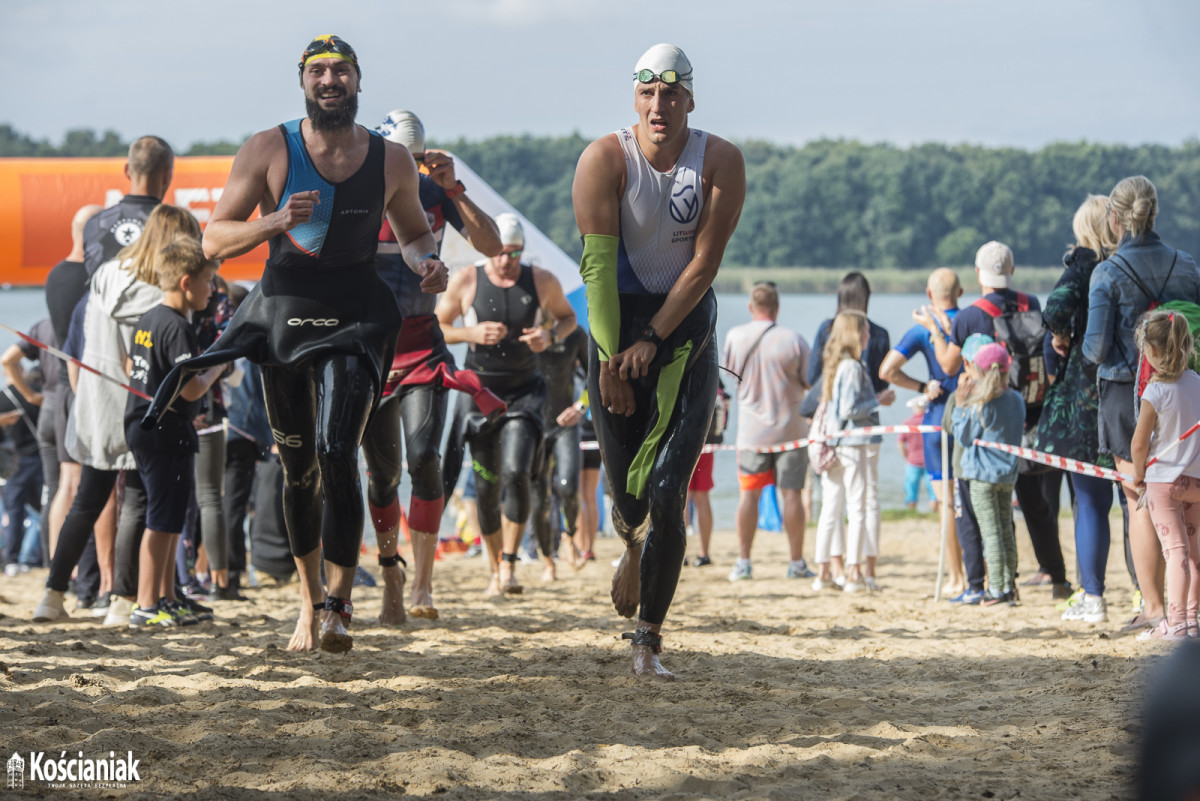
<point>598,268</point>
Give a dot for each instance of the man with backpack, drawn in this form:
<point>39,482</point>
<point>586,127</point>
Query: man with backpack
<point>1014,319</point>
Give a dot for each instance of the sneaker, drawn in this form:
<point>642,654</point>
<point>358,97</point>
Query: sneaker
<point>799,570</point>
<point>100,608</point>
<point>872,584</point>
<point>12,570</point>
<point>474,550</point>
<point>119,610</point>
<point>227,593</point>
<point>1061,590</point>
<point>51,607</point>
<point>839,581</point>
<point>699,561</point>
<point>190,606</point>
<point>84,603</point>
<point>997,598</point>
<point>820,583</point>
<point>361,579</point>
<point>1136,605</point>
<point>967,598</point>
<point>740,572</point>
<point>1075,598</point>
<point>1089,609</point>
<point>854,586</point>
<point>152,616</point>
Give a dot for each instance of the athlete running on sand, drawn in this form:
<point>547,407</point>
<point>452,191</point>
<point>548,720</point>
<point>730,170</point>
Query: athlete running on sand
<point>656,204</point>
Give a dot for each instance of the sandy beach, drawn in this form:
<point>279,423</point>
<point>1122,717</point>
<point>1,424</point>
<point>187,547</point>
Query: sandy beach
<point>783,692</point>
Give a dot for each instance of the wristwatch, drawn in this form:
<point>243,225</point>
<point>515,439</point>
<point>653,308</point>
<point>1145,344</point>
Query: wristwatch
<point>648,335</point>
<point>457,190</point>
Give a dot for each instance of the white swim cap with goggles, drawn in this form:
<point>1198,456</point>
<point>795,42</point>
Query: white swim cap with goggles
<point>666,63</point>
<point>511,230</point>
<point>404,128</point>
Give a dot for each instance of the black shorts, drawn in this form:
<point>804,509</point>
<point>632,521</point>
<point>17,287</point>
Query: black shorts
<point>169,478</point>
<point>1117,418</point>
<point>591,457</point>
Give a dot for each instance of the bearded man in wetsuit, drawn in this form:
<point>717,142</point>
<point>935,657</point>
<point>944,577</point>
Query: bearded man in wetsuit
<point>656,204</point>
<point>422,371</point>
<point>502,302</point>
<point>321,322</point>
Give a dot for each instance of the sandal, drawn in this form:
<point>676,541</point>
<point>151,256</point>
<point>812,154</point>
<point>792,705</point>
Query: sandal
<point>1138,623</point>
<point>1166,631</point>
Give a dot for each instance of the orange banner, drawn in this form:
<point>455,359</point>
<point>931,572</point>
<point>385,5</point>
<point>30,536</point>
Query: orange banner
<point>40,196</point>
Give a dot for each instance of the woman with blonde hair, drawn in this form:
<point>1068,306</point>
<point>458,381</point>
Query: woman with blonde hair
<point>1143,272</point>
<point>1069,422</point>
<point>121,291</point>
<point>847,390</point>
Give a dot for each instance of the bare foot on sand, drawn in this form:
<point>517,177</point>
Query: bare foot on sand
<point>304,638</point>
<point>508,579</point>
<point>393,596</point>
<point>421,605</point>
<point>550,573</point>
<point>626,582</point>
<point>646,663</point>
<point>334,637</point>
<point>493,588</point>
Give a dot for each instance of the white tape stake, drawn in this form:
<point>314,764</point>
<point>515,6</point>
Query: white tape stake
<point>946,506</point>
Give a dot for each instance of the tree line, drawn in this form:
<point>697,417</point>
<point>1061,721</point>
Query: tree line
<point>834,203</point>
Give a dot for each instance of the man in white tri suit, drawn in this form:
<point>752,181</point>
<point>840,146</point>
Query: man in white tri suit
<point>656,204</point>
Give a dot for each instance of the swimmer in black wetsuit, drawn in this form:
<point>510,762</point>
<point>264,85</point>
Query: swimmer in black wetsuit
<point>558,474</point>
<point>321,322</point>
<point>501,301</point>
<point>656,204</point>
<point>421,373</point>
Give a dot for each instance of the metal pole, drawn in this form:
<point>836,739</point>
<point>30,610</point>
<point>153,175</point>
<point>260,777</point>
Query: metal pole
<point>947,509</point>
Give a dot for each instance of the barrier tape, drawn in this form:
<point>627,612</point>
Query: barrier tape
<point>591,445</point>
<point>66,358</point>
<point>1061,462</point>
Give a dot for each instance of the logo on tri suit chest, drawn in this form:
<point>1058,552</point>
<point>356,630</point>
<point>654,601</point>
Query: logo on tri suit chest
<point>684,204</point>
<point>356,211</point>
<point>315,322</point>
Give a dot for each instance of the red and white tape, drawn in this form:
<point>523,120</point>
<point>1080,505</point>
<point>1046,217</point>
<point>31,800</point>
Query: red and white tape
<point>1061,462</point>
<point>804,443</point>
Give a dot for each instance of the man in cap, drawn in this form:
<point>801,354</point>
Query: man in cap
<point>505,305</point>
<point>421,372</point>
<point>656,203</point>
<point>1037,492</point>
<point>321,322</point>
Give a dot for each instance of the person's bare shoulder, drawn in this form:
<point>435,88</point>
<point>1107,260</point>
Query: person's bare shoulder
<point>603,154</point>
<point>721,153</point>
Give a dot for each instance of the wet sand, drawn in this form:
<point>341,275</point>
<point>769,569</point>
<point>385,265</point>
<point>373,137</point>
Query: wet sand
<point>783,692</point>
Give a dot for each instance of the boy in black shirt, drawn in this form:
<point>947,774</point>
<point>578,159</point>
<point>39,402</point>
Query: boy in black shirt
<point>166,454</point>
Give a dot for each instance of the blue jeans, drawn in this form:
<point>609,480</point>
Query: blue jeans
<point>1093,500</point>
<point>24,488</point>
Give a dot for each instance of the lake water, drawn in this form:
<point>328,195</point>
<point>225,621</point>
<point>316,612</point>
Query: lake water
<point>20,308</point>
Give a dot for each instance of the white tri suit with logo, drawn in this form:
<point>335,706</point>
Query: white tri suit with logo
<point>650,455</point>
<point>322,325</point>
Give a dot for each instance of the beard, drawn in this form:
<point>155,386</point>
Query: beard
<point>332,119</point>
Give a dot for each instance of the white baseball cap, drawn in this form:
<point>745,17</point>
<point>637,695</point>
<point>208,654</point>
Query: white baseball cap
<point>995,264</point>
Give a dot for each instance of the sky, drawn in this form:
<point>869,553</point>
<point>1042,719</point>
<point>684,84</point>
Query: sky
<point>1018,73</point>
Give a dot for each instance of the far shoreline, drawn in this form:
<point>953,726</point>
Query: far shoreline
<point>884,280</point>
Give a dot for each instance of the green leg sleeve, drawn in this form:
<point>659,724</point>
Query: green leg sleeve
<point>599,272</point>
<point>666,393</point>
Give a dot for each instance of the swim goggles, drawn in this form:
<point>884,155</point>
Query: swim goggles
<point>328,46</point>
<point>669,77</point>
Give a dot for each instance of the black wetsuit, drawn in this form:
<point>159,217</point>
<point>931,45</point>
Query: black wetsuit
<point>656,502</point>
<point>558,474</point>
<point>504,448</point>
<point>322,325</point>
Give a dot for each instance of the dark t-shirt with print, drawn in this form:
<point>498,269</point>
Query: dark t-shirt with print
<point>162,338</point>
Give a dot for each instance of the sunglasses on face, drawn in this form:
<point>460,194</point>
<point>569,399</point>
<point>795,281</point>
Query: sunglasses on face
<point>669,77</point>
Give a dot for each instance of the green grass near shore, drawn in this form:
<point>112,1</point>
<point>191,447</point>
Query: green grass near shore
<point>820,280</point>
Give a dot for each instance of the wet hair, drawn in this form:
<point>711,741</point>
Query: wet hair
<point>764,295</point>
<point>854,292</point>
<point>150,155</point>
<point>179,258</point>
<point>845,342</point>
<point>1170,335</point>
<point>1135,201</point>
<point>1091,226</point>
<point>164,225</point>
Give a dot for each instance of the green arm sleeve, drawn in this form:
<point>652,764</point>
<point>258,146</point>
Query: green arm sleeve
<point>599,272</point>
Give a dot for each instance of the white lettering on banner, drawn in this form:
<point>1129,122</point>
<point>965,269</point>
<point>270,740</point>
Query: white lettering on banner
<point>186,196</point>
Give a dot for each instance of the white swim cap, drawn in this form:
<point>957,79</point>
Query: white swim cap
<point>511,230</point>
<point>403,128</point>
<point>664,57</point>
